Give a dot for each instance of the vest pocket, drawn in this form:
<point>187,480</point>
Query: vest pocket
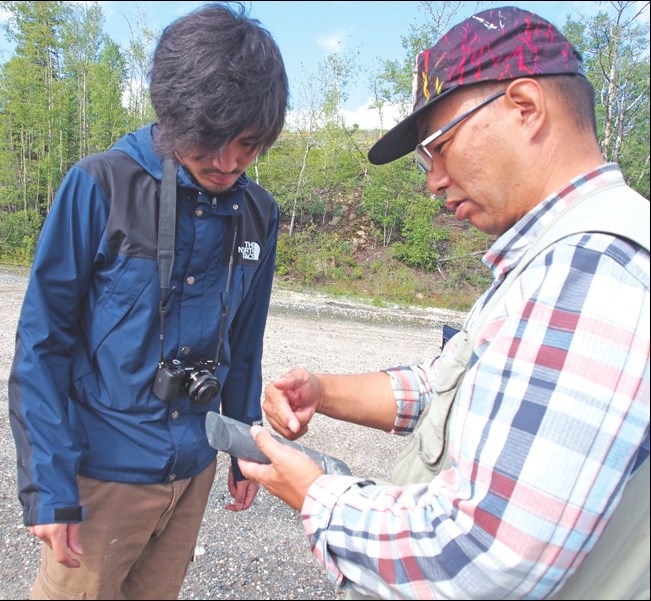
<point>425,455</point>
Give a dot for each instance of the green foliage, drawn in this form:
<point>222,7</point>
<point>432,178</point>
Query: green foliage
<point>312,257</point>
<point>312,176</point>
<point>19,233</point>
<point>348,227</point>
<point>279,168</point>
<point>388,191</point>
<point>380,277</point>
<point>615,49</point>
<point>461,264</point>
<point>420,246</point>
<point>60,96</point>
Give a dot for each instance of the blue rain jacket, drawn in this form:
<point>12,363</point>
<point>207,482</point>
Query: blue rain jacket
<point>88,337</point>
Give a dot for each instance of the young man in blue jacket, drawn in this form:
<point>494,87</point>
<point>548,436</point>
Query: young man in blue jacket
<point>137,321</point>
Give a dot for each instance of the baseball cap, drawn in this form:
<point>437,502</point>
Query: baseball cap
<point>499,44</point>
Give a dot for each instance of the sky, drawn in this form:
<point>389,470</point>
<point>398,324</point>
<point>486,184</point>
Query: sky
<point>306,32</point>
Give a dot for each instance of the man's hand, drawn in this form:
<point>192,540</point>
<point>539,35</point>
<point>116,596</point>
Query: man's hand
<point>290,474</point>
<point>291,401</point>
<point>243,492</point>
<point>61,538</point>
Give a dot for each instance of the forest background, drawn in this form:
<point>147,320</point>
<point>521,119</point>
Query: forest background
<point>347,227</point>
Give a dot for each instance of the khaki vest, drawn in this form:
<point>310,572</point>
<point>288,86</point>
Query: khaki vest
<point>618,566</point>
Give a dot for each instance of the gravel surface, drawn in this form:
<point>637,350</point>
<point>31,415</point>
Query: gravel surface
<point>261,553</point>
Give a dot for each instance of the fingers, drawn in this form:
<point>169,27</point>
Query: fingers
<point>250,492</point>
<point>287,382</point>
<point>290,473</point>
<point>60,538</point>
<point>243,492</point>
<point>253,470</point>
<point>74,542</point>
<point>265,442</point>
<point>284,422</point>
<point>287,404</point>
<point>232,485</point>
<point>284,414</point>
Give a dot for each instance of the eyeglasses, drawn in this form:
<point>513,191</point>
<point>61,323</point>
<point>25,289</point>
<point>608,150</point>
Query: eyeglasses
<point>423,156</point>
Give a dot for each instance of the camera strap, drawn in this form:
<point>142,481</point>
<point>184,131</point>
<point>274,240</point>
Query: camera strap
<point>165,253</point>
<point>226,298</point>
<point>166,238</point>
<point>167,226</point>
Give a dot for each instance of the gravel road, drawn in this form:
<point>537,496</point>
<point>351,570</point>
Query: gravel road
<point>261,553</point>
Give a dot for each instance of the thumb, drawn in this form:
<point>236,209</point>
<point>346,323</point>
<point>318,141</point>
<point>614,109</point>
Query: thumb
<point>74,543</point>
<point>287,382</point>
<point>265,442</point>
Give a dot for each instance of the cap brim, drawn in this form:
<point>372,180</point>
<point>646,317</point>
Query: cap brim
<point>402,138</point>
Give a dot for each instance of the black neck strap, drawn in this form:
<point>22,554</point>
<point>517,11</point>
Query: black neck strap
<point>165,253</point>
<point>166,240</point>
<point>166,227</point>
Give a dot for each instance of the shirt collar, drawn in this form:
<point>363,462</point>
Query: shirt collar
<point>508,249</point>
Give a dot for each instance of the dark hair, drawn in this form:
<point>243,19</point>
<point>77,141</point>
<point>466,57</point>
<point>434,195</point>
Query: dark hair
<point>216,72</point>
<point>577,93</point>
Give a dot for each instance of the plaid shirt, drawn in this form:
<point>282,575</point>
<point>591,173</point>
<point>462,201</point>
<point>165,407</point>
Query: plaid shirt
<point>550,421</point>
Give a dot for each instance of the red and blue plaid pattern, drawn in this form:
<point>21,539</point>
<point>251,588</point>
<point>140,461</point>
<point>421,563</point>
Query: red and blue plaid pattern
<point>548,425</point>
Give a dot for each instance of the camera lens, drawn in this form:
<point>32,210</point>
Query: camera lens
<point>202,387</point>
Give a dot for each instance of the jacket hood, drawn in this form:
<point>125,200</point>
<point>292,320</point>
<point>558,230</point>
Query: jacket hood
<point>139,145</point>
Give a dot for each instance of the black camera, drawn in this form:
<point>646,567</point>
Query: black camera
<point>197,379</point>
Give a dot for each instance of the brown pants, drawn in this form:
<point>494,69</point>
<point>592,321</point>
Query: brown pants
<point>138,540</point>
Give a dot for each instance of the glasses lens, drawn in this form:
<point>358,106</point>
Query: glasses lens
<point>423,161</point>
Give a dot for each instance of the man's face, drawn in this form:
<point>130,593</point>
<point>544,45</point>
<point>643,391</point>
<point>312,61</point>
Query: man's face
<point>218,170</point>
<point>474,163</point>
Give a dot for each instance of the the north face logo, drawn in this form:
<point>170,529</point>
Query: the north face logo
<point>250,251</point>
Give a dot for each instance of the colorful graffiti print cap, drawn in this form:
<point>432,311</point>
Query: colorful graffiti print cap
<point>499,44</point>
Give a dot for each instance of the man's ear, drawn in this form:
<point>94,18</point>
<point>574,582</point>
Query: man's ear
<point>527,97</point>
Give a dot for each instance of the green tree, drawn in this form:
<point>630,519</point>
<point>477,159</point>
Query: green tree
<point>388,192</point>
<point>108,118</point>
<point>94,76</point>
<point>139,55</point>
<point>60,97</point>
<point>615,47</point>
<point>327,161</point>
<point>33,98</point>
<point>422,241</point>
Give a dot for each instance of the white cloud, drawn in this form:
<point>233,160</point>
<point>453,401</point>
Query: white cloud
<point>368,118</point>
<point>336,41</point>
<point>333,42</point>
<point>364,116</point>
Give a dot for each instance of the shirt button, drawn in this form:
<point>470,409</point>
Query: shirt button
<point>175,415</point>
<point>172,477</point>
<point>198,212</point>
<point>235,207</point>
<point>190,281</point>
<point>185,350</point>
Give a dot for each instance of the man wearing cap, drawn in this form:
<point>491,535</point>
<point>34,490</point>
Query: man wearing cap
<point>527,472</point>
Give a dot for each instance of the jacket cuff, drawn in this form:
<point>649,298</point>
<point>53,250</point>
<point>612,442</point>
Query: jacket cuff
<point>68,514</point>
<point>237,473</point>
